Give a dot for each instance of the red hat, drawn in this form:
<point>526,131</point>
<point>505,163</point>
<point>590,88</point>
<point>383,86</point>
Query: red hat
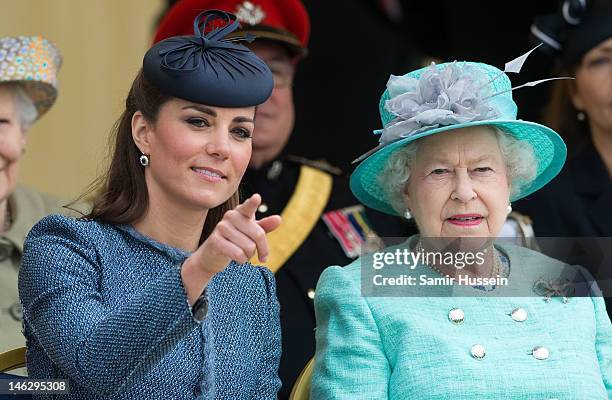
<point>282,21</point>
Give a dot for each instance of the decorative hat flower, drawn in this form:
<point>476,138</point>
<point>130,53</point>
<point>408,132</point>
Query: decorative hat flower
<point>455,94</point>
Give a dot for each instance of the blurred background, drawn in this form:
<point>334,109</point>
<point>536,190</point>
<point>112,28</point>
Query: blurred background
<point>355,45</point>
<point>102,44</point>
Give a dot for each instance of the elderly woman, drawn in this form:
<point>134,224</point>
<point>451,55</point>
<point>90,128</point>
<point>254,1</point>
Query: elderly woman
<point>453,156</point>
<point>151,295</point>
<point>28,88</point>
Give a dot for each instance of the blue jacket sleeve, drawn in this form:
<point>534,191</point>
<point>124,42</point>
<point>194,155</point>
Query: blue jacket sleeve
<point>350,362</point>
<point>101,349</point>
<point>268,383</point>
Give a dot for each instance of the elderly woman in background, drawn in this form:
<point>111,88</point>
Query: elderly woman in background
<point>28,88</point>
<point>453,156</point>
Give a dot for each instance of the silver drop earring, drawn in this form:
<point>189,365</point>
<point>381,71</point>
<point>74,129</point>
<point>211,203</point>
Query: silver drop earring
<point>407,214</point>
<point>144,160</point>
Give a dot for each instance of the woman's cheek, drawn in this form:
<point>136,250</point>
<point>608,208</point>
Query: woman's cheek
<point>242,156</point>
<point>10,147</point>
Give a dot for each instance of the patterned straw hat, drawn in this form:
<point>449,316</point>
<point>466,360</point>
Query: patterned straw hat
<point>33,62</point>
<point>441,98</point>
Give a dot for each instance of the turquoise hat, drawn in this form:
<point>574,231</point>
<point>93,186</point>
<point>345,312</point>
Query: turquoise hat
<point>441,98</point>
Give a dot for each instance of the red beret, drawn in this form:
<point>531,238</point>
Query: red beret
<point>282,21</point>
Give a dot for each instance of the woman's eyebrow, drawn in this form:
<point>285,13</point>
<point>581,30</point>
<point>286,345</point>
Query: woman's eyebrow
<point>485,157</point>
<point>243,119</point>
<point>607,49</point>
<point>202,109</point>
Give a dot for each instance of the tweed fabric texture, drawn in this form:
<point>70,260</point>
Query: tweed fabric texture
<point>407,348</point>
<point>105,308</point>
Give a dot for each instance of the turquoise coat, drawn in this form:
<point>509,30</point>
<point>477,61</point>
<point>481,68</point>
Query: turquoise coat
<point>408,348</point>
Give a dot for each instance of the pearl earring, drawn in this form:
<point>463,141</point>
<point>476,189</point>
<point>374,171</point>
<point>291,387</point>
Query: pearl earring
<point>407,214</point>
<point>580,116</point>
<point>144,160</point>
<point>509,209</point>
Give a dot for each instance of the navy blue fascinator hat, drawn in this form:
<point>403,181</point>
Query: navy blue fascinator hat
<point>207,68</point>
<point>574,29</point>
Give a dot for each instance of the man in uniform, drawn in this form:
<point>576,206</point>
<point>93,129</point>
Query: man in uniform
<point>323,224</point>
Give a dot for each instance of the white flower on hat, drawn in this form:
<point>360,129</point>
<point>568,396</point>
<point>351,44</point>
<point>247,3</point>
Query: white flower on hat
<point>440,97</point>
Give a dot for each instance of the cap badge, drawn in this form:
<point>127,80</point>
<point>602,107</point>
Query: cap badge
<point>250,13</point>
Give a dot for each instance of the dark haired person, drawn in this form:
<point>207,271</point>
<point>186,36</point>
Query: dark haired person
<point>323,223</point>
<point>578,202</point>
<point>151,295</point>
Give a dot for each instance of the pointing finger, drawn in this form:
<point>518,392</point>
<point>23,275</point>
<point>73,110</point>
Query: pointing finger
<point>249,206</point>
<point>270,223</point>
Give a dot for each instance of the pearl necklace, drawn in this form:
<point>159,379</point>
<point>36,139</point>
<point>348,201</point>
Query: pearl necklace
<point>495,271</point>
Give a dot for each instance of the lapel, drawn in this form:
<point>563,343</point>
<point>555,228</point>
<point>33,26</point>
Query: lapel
<point>594,188</point>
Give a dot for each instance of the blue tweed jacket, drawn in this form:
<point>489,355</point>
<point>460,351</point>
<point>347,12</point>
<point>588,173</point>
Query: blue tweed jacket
<point>105,308</point>
<point>407,348</point>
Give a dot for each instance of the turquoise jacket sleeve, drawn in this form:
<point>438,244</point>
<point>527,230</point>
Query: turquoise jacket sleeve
<point>350,362</point>
<point>102,349</point>
<point>603,342</point>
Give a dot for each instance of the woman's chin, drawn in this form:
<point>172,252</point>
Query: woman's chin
<point>206,199</point>
<point>450,229</point>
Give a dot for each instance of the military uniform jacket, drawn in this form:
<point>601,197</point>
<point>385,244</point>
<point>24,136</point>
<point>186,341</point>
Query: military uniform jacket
<point>306,193</point>
<point>27,207</point>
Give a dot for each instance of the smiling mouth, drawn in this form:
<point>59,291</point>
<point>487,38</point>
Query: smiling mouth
<point>465,218</point>
<point>209,173</point>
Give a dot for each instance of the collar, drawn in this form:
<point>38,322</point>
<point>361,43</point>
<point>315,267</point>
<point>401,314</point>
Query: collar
<point>25,212</point>
<point>270,171</point>
<point>176,254</point>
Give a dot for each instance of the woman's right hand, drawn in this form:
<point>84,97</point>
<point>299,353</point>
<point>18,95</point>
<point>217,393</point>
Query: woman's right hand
<point>236,237</point>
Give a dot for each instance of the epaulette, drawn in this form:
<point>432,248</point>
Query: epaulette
<point>323,165</point>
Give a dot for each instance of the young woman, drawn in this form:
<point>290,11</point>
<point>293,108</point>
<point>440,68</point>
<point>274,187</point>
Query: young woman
<point>151,295</point>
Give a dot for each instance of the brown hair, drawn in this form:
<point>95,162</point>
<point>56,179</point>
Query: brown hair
<point>561,115</point>
<point>120,195</point>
